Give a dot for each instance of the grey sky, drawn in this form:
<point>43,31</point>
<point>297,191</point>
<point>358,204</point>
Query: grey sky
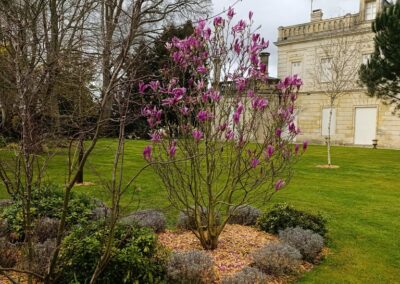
<point>271,14</point>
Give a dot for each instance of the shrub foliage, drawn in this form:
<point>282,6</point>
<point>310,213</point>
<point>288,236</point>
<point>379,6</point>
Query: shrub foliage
<point>248,275</point>
<point>244,215</point>
<point>148,218</point>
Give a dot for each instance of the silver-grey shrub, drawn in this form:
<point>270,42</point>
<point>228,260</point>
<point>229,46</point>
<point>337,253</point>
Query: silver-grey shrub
<point>277,258</point>
<point>248,275</point>
<point>46,228</point>
<point>307,242</point>
<point>244,215</point>
<point>148,218</point>
<point>194,267</point>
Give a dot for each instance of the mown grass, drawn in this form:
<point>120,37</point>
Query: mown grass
<point>360,200</point>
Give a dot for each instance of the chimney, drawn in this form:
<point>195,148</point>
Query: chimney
<point>264,58</point>
<point>316,15</point>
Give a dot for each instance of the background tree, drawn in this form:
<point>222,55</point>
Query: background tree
<point>381,74</point>
<point>335,72</point>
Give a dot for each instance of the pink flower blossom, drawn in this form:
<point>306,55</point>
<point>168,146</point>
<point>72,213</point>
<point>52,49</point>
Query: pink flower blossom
<point>218,21</point>
<point>296,148</point>
<point>154,85</point>
<point>239,27</point>
<point>172,149</point>
<point>229,135</point>
<point>197,135</point>
<point>204,115</point>
<point>142,87</point>
<point>236,117</point>
<point>155,136</point>
<point>185,110</point>
<point>240,84</point>
<point>202,69</point>
<point>250,94</point>
<point>278,132</point>
<point>147,153</point>
<point>259,103</point>
<point>279,184</point>
<point>231,13</point>
<point>250,15</point>
<point>305,145</point>
<point>254,162</point>
<point>270,151</point>
<point>223,126</point>
<point>200,85</point>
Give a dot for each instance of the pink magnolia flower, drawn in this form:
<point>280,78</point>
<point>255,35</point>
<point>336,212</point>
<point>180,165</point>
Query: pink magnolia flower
<point>154,85</point>
<point>204,115</point>
<point>200,85</point>
<point>155,136</point>
<point>250,15</point>
<point>202,69</point>
<point>236,117</point>
<point>278,132</point>
<point>254,162</point>
<point>185,110</point>
<point>270,151</point>
<point>305,145</point>
<point>296,148</point>
<point>142,87</point>
<point>172,149</point>
<point>147,153</point>
<point>239,27</point>
<point>215,96</point>
<point>231,13</point>
<point>237,47</point>
<point>279,184</point>
<point>223,126</point>
<point>229,135</point>
<point>197,135</point>
<point>250,94</point>
<point>218,21</point>
<point>240,84</point>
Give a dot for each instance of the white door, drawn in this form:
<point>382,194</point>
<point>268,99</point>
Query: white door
<point>365,125</point>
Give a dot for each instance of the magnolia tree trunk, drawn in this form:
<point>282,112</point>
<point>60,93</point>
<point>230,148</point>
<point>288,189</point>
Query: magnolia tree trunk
<point>207,160</point>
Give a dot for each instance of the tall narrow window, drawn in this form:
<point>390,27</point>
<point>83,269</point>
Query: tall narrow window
<point>326,70</point>
<point>296,68</point>
<point>370,10</point>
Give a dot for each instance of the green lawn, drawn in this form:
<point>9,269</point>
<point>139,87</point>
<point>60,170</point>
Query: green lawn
<point>361,200</point>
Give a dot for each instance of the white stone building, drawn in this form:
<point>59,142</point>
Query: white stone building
<point>357,119</point>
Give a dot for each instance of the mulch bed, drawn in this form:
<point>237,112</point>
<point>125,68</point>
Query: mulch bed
<point>236,245</point>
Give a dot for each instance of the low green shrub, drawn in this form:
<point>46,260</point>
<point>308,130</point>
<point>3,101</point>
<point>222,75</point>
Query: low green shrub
<point>47,201</point>
<point>307,242</point>
<point>244,215</point>
<point>248,275</point>
<point>283,216</point>
<point>277,259</point>
<point>195,267</point>
<point>136,255</point>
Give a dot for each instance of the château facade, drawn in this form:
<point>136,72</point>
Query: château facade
<point>356,118</point>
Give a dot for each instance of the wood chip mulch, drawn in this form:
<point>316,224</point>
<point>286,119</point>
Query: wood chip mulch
<point>236,245</point>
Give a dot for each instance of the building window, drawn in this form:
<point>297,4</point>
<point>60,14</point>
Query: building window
<point>326,70</point>
<point>325,121</point>
<point>296,68</point>
<point>370,11</point>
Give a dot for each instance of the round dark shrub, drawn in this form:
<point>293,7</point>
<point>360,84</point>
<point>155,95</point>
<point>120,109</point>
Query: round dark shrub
<point>186,221</point>
<point>283,216</point>
<point>8,253</point>
<point>42,253</point>
<point>148,218</point>
<point>277,259</point>
<point>191,267</point>
<point>307,242</point>
<point>244,215</point>
<point>46,228</point>
<point>248,275</point>
<point>136,255</point>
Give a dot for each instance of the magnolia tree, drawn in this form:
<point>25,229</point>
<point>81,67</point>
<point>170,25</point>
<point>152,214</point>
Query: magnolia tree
<point>227,147</point>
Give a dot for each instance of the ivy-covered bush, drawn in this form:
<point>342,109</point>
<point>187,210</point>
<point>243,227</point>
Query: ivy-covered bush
<point>283,216</point>
<point>47,201</point>
<point>186,221</point>
<point>195,267</point>
<point>148,218</point>
<point>277,259</point>
<point>307,242</point>
<point>248,275</point>
<point>244,215</point>
<point>136,258</point>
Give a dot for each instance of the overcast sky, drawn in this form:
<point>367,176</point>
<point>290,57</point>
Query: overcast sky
<point>271,14</point>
